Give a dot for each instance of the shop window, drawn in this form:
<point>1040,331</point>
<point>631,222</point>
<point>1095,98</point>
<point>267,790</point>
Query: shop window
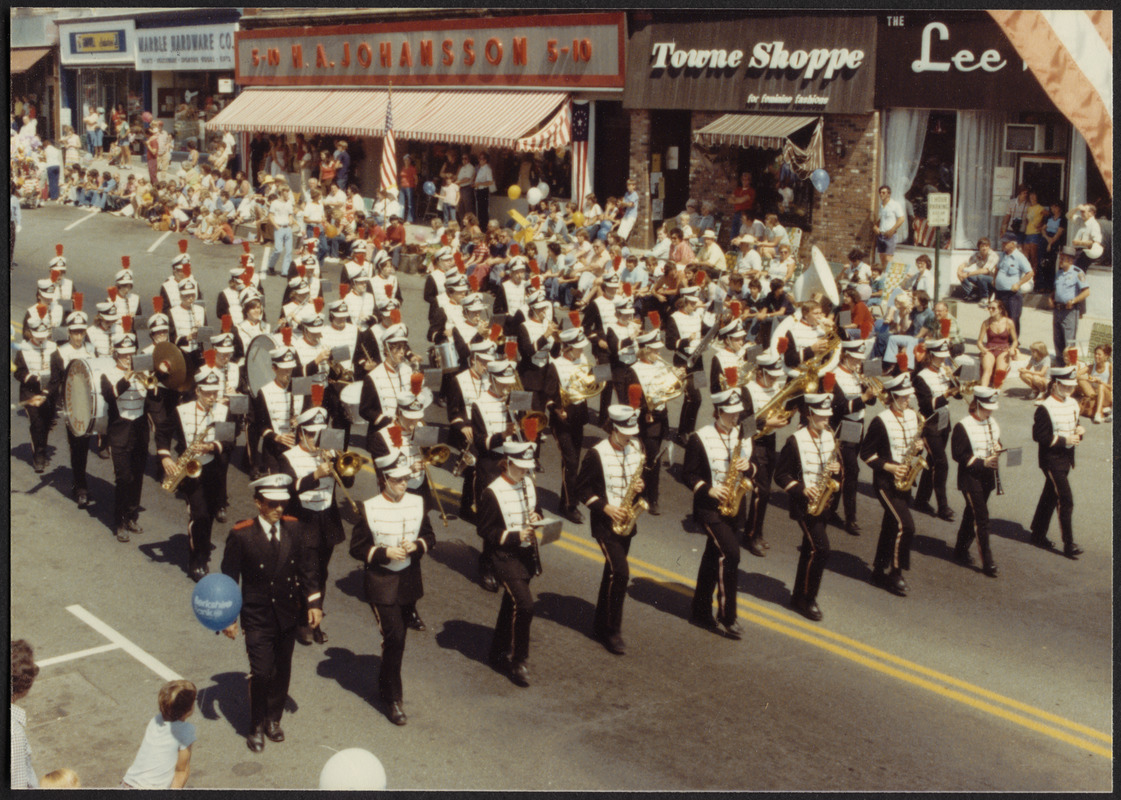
<point>778,188</point>
<point>935,174</point>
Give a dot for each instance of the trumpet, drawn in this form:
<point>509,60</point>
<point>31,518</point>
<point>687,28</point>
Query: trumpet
<point>876,386</point>
<point>146,379</point>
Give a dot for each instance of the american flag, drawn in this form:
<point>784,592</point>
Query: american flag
<point>924,234</point>
<point>389,149</point>
<point>581,180</point>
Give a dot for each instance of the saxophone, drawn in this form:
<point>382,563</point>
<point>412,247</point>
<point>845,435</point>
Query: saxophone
<point>913,460</point>
<point>187,466</point>
<point>631,507</point>
<point>826,485</point>
<point>737,485</point>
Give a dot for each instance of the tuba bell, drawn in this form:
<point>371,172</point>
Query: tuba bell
<point>348,463</point>
<point>435,455</point>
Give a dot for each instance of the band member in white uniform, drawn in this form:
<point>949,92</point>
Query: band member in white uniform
<point>767,382</point>
<point>274,411</point>
<point>105,328</point>
<point>378,402</point>
<point>567,421</point>
<point>933,390</point>
<point>253,322</point>
<point>398,437</point>
<point>37,370</point>
<point>684,330</point>
<point>127,302</point>
<point>1058,433</point>
<point>46,296</point>
<point>187,317</point>
<point>850,401</point>
<point>180,270</point>
<point>975,445</point>
<point>655,382</point>
<point>468,386</point>
<point>492,424</point>
<point>76,347</point>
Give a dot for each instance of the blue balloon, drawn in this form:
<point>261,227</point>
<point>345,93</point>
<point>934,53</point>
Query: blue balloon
<point>820,179</point>
<point>429,188</point>
<point>216,601</point>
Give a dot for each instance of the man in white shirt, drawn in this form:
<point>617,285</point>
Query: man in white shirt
<point>53,158</point>
<point>466,180</point>
<point>484,188</point>
<point>891,218</point>
<point>280,218</point>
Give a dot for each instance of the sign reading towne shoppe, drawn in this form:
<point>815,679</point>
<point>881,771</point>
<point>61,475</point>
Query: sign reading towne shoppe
<point>579,50</point>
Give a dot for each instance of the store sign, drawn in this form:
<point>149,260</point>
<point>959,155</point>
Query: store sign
<point>761,63</point>
<point>938,208</point>
<point>951,59</point>
<point>91,42</point>
<point>194,47</point>
<point>579,50</point>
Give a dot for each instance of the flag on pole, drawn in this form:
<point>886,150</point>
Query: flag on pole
<point>581,180</point>
<point>389,149</point>
<point>1071,55</point>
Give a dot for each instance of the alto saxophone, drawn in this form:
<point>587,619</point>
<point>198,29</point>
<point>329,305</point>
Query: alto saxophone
<point>187,466</point>
<point>913,460</point>
<point>826,485</point>
<point>737,485</point>
<point>631,507</point>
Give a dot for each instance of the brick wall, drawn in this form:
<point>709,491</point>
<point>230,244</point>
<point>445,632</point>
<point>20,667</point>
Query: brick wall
<point>641,235</point>
<point>842,215</point>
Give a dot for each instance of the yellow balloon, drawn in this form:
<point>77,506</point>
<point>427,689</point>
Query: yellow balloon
<point>578,218</point>
<point>514,192</point>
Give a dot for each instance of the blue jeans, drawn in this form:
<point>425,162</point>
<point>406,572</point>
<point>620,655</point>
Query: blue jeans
<point>449,213</point>
<point>1064,329</point>
<point>552,289</point>
<point>978,284</point>
<point>406,199</point>
<point>52,181</point>
<point>897,342</point>
<point>282,242</point>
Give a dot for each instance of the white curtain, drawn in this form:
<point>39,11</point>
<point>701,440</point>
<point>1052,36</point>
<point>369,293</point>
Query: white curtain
<point>1077,194</point>
<point>904,134</point>
<point>980,148</point>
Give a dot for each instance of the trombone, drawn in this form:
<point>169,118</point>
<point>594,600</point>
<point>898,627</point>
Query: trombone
<point>344,464</point>
<point>435,455</point>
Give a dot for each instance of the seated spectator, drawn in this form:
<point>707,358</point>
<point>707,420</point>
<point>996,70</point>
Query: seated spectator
<point>164,758</point>
<point>861,317</point>
<point>24,671</point>
<point>977,274</point>
<point>956,340</point>
<point>997,342</point>
<point>783,265</point>
<point>857,273</point>
<point>1034,375</point>
<point>1095,385</point>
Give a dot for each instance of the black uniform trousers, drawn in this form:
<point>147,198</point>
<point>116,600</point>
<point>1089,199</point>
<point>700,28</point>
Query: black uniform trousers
<point>223,460</point>
<point>252,449</point>
<point>651,434</point>
<point>393,628</point>
<point>203,502</point>
<point>616,576</point>
<point>129,449</point>
<point>893,551</point>
<point>41,420</point>
<point>764,460</point>
<point>1056,494</point>
<point>270,671</point>
<point>938,470</point>
<point>469,493</point>
<point>690,405</point>
<point>850,462</point>
<point>570,439</point>
<point>79,455</point>
<point>515,616</point>
<point>488,466</point>
<point>812,561</point>
<point>719,570</point>
<point>322,530</point>
<point>975,519</point>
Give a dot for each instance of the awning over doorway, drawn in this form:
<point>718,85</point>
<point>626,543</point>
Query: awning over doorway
<point>751,130</point>
<point>23,60</point>
<point>524,121</point>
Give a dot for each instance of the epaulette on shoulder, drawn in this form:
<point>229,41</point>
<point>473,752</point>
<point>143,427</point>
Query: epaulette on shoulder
<point>287,518</point>
<point>245,523</point>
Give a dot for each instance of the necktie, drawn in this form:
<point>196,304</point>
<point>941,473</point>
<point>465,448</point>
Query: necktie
<point>274,541</point>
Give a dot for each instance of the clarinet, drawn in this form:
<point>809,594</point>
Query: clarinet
<point>534,550</point>
<point>996,452</point>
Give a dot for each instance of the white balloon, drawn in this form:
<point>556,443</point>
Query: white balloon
<point>533,196</point>
<point>544,189</point>
<point>353,769</point>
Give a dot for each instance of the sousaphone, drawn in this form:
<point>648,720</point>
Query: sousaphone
<point>258,362</point>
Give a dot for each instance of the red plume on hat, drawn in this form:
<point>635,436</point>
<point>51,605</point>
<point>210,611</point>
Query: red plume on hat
<point>731,377</point>
<point>301,270</point>
<point>125,261</point>
<point>388,290</point>
<point>617,261</point>
<point>901,362</point>
<point>311,244</point>
<point>395,317</point>
<point>315,232</point>
<point>344,290</point>
<point>511,350</point>
<point>458,258</point>
<point>781,345</point>
<point>318,303</point>
<point>182,245</point>
<point>1071,356</point>
<point>495,332</point>
<point>80,298</point>
<point>444,240</point>
<point>186,270</point>
<point>395,435</point>
<point>529,427</point>
<point>533,267</point>
<point>55,275</point>
<point>210,357</point>
<point>245,260</point>
<point>701,279</point>
<point>317,394</point>
<point>286,335</point>
<point>535,282</point>
<point>655,320</point>
<point>247,276</point>
<point>58,250</point>
<point>514,249</point>
<point>126,323</point>
<point>574,316</point>
<point>227,323</point>
<point>112,292</point>
<point>828,381</point>
<point>634,395</point>
<point>945,326</point>
<point>628,289</point>
<point>920,351</point>
<point>416,382</point>
<point>736,308</point>
<point>245,247</point>
<point>473,282</point>
<point>157,304</point>
<point>41,309</point>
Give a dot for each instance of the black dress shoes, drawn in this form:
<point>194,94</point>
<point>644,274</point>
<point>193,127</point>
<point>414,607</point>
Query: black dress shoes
<point>416,623</point>
<point>655,510</point>
<point>1072,551</point>
<point>519,673</point>
<point>1043,542</point>
<point>614,643</point>
<point>733,630</point>
<point>964,558</point>
<point>318,635</point>
<point>303,634</point>
<point>705,621</point>
<point>946,514</point>
<point>893,583</point>
<point>923,508</point>
<point>256,741</point>
<point>198,572</point>
<point>755,548</point>
<point>273,731</point>
<point>83,499</point>
<point>221,515</point>
<point>990,570</point>
<point>573,515</point>
<point>488,582</point>
<point>808,610</point>
<point>122,533</point>
<point>397,714</point>
<point>852,528</point>
<point>134,526</point>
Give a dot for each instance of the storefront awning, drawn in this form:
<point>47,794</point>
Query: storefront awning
<point>23,60</point>
<point>524,121</point>
<point>751,130</point>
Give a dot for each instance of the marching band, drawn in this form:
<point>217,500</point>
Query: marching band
<point>299,390</point>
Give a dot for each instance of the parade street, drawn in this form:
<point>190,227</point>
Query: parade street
<point>967,684</point>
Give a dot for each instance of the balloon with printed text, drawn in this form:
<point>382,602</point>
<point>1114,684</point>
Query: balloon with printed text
<point>216,601</point>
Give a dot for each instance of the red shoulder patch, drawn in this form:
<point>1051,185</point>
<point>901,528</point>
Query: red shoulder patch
<point>245,523</point>
<point>287,518</point>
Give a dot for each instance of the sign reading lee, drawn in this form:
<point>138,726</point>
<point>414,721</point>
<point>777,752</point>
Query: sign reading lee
<point>560,50</point>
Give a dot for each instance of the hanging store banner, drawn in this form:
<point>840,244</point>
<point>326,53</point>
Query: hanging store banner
<point>569,50</point>
<point>949,59</point>
<point>728,62</point>
<point>90,42</point>
<point>192,47</point>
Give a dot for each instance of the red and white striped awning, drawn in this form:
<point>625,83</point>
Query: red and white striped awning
<point>523,121</point>
<point>751,130</point>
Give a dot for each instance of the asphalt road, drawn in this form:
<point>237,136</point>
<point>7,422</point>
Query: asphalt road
<point>968,684</point>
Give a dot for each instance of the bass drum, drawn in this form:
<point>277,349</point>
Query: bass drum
<point>350,396</point>
<point>82,400</point>
<point>258,362</point>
